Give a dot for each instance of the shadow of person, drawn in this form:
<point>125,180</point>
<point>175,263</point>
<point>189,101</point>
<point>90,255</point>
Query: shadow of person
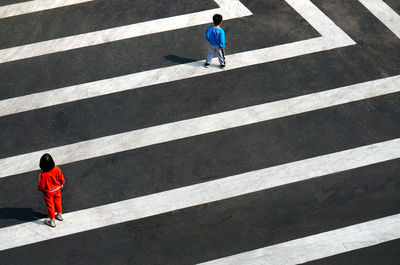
<point>21,214</point>
<point>178,59</point>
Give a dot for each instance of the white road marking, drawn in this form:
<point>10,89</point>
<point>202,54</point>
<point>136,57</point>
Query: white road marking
<point>321,245</point>
<point>229,8</point>
<point>189,196</point>
<point>200,125</point>
<point>384,13</point>
<point>332,37</point>
<point>320,22</point>
<point>158,76</point>
<point>35,6</point>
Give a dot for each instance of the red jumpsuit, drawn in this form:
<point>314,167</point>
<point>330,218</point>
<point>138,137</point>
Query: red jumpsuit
<point>50,183</point>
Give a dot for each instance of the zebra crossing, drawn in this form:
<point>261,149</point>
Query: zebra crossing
<point>141,180</point>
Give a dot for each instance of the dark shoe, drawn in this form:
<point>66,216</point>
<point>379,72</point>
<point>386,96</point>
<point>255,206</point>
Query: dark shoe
<point>206,65</point>
<point>222,66</point>
<point>50,222</point>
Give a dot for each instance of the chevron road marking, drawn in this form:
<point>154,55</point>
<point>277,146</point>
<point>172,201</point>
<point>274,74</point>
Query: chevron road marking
<point>332,37</point>
<point>320,245</point>
<point>200,125</point>
<point>229,8</point>
<point>384,13</point>
<point>206,192</point>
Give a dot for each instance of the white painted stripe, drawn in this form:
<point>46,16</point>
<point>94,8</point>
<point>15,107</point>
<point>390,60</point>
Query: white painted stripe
<point>35,6</point>
<point>189,196</point>
<point>236,9</point>
<point>321,245</point>
<point>384,13</point>
<point>336,38</point>
<point>159,76</point>
<point>324,25</point>
<point>200,125</point>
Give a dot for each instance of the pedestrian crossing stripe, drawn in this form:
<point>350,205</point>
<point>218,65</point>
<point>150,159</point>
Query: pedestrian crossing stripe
<point>201,125</point>
<point>35,6</point>
<point>194,195</point>
<point>332,37</point>
<point>319,246</point>
<point>384,13</point>
<point>229,8</point>
<point>292,252</point>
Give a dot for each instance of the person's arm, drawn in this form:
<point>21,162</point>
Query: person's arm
<point>222,39</point>
<point>40,183</point>
<point>61,177</point>
<point>208,32</point>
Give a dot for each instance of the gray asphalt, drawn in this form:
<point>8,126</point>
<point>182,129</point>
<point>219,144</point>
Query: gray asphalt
<point>225,227</point>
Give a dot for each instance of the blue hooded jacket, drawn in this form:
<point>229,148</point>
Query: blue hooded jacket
<point>215,36</point>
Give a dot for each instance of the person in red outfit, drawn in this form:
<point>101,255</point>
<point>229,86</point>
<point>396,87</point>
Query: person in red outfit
<point>51,180</point>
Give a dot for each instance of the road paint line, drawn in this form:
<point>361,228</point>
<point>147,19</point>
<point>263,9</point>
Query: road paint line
<point>158,76</point>
<point>384,13</point>
<point>35,6</point>
<point>321,245</point>
<point>201,125</point>
<point>236,10</point>
<point>320,22</point>
<point>336,39</point>
<point>193,195</point>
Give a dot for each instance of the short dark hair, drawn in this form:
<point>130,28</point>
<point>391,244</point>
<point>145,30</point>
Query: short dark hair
<point>46,162</point>
<point>217,18</point>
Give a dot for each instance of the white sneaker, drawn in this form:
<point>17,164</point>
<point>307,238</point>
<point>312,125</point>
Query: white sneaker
<point>59,217</point>
<point>49,222</point>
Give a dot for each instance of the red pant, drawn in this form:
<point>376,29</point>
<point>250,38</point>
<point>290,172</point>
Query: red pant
<point>53,199</point>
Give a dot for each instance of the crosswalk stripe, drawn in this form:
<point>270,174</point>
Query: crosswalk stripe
<point>320,245</point>
<point>35,6</point>
<point>384,13</point>
<point>332,37</point>
<point>189,196</point>
<point>159,76</point>
<point>200,125</point>
<point>235,10</point>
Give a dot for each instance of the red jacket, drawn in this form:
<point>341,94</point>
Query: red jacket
<point>51,180</point>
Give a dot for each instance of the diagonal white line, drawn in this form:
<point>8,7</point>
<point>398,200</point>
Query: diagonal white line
<point>200,125</point>
<point>333,37</point>
<point>384,13</point>
<point>158,76</point>
<point>189,196</point>
<point>35,6</point>
<point>321,245</point>
<point>320,22</point>
<point>236,9</point>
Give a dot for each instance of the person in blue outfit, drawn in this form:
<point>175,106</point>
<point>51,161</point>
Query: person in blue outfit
<point>215,36</point>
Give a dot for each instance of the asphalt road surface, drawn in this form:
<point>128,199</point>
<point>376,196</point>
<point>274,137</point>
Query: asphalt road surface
<point>289,155</point>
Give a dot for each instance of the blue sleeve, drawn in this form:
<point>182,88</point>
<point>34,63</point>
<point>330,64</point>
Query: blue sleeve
<point>222,39</point>
<point>208,32</point>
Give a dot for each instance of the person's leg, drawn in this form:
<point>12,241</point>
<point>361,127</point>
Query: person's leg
<point>48,198</point>
<point>211,52</point>
<point>58,205</point>
<point>221,56</point>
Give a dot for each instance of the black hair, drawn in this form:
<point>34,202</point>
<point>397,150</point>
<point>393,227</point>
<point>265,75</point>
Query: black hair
<point>46,162</point>
<point>217,18</point>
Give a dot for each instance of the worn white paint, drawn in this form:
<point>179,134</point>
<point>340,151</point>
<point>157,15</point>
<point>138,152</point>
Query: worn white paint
<point>35,6</point>
<point>206,192</point>
<point>319,246</point>
<point>332,37</point>
<point>384,13</point>
<point>200,125</point>
<point>229,8</point>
